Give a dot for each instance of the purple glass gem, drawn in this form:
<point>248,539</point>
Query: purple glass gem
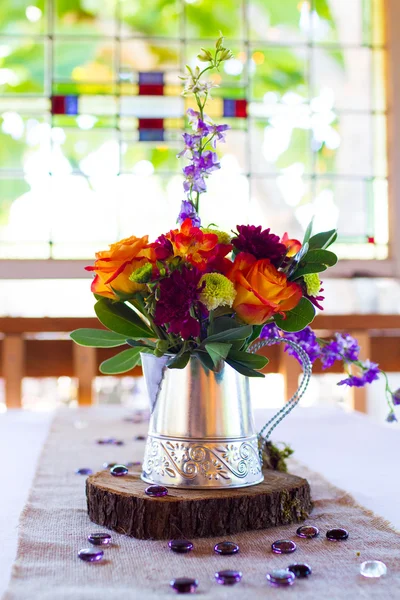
<point>99,539</point>
<point>184,585</point>
<point>106,441</point>
<point>84,471</point>
<point>156,491</point>
<point>226,548</point>
<point>180,546</point>
<point>283,547</point>
<point>228,577</point>
<point>337,535</point>
<point>118,442</point>
<point>282,577</point>
<point>90,554</point>
<point>107,465</point>
<point>119,470</point>
<point>139,438</point>
<point>307,531</point>
<point>300,570</point>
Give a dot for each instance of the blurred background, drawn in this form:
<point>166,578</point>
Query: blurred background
<point>88,156</point>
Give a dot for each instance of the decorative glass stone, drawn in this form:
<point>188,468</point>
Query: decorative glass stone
<point>228,577</point>
<point>307,531</point>
<point>226,548</point>
<point>337,535</point>
<point>139,438</point>
<point>157,491</point>
<point>373,568</point>
<point>119,470</point>
<point>104,441</point>
<point>107,465</point>
<point>282,577</point>
<point>300,570</point>
<point>90,554</point>
<point>99,539</point>
<point>83,471</point>
<point>184,585</point>
<point>118,442</point>
<point>283,547</point>
<point>180,546</point>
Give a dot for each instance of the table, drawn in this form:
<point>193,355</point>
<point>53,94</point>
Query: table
<point>351,450</point>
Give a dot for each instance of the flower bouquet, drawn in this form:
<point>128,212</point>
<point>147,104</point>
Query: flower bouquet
<point>197,292</point>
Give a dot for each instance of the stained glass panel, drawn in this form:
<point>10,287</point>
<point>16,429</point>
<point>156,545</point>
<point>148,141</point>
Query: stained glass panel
<point>91,117</point>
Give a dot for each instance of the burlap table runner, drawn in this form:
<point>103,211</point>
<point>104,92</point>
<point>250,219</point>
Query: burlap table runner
<point>54,526</point>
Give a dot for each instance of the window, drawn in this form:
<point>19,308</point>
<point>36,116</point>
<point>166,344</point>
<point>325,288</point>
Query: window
<point>91,118</point>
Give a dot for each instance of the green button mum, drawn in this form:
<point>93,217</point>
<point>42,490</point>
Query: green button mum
<point>218,291</point>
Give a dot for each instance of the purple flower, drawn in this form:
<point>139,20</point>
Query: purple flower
<point>194,179</point>
<point>202,162</point>
<point>202,128</point>
<point>208,162</point>
<point>188,211</point>
<point>270,331</point>
<point>200,167</point>
<point>192,142</point>
<point>193,116</point>
<point>343,347</point>
<point>396,397</point>
<point>219,134</point>
<point>306,339</point>
<point>370,373</point>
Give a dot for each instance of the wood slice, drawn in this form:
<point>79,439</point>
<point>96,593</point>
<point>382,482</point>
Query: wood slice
<point>121,504</point>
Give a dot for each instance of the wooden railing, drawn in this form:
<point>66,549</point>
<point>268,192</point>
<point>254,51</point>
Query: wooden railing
<point>40,347</point>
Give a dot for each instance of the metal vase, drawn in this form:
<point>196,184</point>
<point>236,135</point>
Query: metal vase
<point>201,430</point>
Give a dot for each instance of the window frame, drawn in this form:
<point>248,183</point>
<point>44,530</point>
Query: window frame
<point>346,268</point>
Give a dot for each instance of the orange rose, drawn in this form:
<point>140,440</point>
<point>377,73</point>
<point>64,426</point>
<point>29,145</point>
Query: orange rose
<point>262,291</point>
<point>114,266</point>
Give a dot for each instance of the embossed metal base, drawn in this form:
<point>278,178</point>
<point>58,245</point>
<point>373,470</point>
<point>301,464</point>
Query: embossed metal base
<point>202,463</point>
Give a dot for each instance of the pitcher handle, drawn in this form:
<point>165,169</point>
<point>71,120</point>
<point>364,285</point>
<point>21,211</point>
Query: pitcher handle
<point>295,399</point>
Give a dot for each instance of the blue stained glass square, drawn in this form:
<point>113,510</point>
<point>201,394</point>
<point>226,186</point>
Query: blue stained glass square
<point>151,78</point>
<point>229,107</point>
<point>151,135</point>
<point>71,105</point>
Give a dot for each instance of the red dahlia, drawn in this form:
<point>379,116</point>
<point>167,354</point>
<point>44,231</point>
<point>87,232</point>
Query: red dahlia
<point>178,293</point>
<point>261,244</point>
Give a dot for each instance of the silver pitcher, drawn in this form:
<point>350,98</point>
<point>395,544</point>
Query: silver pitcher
<point>201,430</point>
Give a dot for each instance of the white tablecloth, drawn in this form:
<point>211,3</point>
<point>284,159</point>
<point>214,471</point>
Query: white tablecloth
<point>352,451</point>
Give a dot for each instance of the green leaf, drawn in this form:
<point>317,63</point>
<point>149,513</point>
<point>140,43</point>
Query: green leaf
<point>315,261</point>
<point>122,362</point>
<point>238,333</point>
<point>242,369</point>
<point>98,338</point>
<point>319,256</point>
<point>139,344</point>
<point>307,269</point>
<point>121,319</point>
<point>256,333</point>
<point>323,240</point>
<point>308,232</point>
<point>179,361</point>
<point>252,361</point>
<point>205,360</point>
<point>218,351</point>
<point>297,318</point>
